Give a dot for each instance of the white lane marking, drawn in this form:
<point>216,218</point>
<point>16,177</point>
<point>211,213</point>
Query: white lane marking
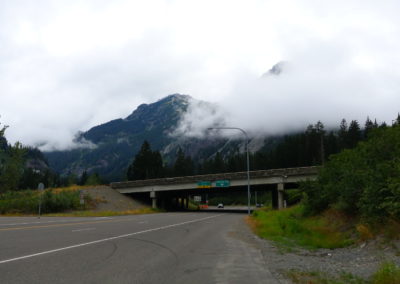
<point>143,222</point>
<point>86,229</point>
<point>58,221</point>
<point>108,239</point>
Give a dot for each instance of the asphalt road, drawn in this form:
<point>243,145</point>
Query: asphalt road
<point>156,248</point>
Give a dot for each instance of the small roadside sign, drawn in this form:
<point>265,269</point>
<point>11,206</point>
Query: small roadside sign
<point>81,197</point>
<point>204,184</point>
<point>222,183</point>
<point>40,188</point>
<point>197,198</point>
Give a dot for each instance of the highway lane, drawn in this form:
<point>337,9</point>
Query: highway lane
<point>155,248</point>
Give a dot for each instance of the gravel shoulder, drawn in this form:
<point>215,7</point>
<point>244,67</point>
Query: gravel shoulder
<point>361,260</point>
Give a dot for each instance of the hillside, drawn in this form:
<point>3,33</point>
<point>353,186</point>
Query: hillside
<point>112,145</point>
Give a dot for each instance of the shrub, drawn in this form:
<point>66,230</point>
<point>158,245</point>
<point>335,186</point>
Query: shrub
<point>27,201</point>
<point>389,273</point>
<point>363,181</point>
<point>290,227</point>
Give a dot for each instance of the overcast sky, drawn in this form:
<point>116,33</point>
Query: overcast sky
<point>69,65</point>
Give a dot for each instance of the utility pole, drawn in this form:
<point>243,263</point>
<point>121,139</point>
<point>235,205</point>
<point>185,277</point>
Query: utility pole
<point>247,161</point>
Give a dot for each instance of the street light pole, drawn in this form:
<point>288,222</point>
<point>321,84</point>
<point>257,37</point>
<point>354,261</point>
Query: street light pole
<point>247,160</point>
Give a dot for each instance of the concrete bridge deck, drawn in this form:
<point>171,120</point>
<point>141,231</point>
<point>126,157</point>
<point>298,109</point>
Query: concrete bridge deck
<point>188,184</point>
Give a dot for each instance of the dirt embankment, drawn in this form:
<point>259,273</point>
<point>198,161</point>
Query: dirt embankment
<point>108,199</point>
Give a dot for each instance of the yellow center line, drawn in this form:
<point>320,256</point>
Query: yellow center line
<point>62,225</point>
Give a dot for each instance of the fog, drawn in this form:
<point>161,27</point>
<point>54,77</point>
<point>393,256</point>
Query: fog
<point>321,84</point>
<point>67,66</point>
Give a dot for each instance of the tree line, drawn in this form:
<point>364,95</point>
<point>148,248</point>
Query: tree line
<point>17,174</point>
<point>311,147</point>
<point>363,181</point>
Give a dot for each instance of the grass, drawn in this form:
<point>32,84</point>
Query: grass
<point>58,202</point>
<point>388,273</point>
<point>104,213</point>
<point>52,200</point>
<point>301,277</point>
<point>288,227</point>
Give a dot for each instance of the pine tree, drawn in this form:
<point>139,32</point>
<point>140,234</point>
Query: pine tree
<point>146,165</point>
<point>12,168</point>
<point>369,125</point>
<point>343,134</point>
<point>396,122</point>
<point>321,132</point>
<point>84,178</point>
<point>218,164</point>
<point>93,179</point>
<point>183,165</point>
<point>354,134</point>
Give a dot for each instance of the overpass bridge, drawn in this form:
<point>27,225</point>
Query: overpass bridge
<point>164,190</point>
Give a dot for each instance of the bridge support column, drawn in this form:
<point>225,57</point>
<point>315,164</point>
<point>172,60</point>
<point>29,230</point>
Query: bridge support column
<point>281,191</point>
<point>187,202</point>
<point>153,199</point>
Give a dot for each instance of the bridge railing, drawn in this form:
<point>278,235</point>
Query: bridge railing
<point>286,172</point>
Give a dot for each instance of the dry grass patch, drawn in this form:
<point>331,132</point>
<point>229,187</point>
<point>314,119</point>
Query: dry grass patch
<point>105,213</point>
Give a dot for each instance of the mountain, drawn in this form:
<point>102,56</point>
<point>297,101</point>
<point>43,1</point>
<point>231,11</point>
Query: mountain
<point>276,70</point>
<point>109,148</point>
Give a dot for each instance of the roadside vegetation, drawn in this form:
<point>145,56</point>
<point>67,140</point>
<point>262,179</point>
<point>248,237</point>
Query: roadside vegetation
<point>364,181</point>
<point>107,213</point>
<point>355,198</point>
<point>356,195</point>
<point>388,273</point>
<point>60,202</point>
<point>289,228</point>
<point>51,200</point>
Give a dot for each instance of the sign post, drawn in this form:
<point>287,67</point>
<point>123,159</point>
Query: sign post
<point>81,197</point>
<point>40,188</point>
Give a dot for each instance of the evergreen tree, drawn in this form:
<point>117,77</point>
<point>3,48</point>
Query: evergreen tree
<point>396,122</point>
<point>183,165</point>
<point>218,164</point>
<point>71,179</point>
<point>146,165</point>
<point>369,125</point>
<point>3,140</point>
<point>343,134</point>
<point>93,179</point>
<point>362,181</point>
<point>354,134</point>
<point>332,146</point>
<point>319,127</point>
<point>157,167</point>
<point>12,168</point>
<point>83,179</point>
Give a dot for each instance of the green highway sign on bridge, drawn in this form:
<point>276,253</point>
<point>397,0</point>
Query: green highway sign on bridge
<point>222,183</point>
<point>204,184</point>
<point>217,183</point>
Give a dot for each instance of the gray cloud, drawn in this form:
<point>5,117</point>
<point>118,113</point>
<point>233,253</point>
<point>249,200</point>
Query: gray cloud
<point>318,85</point>
<point>67,66</point>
